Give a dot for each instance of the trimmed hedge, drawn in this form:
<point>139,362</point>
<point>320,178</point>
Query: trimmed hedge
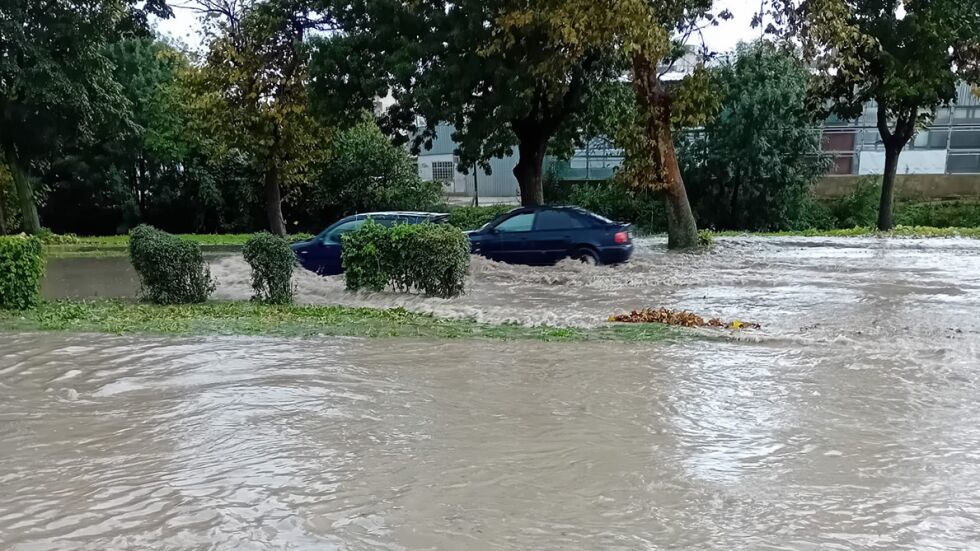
<point>473,218</point>
<point>21,271</point>
<point>171,270</point>
<point>272,262</point>
<point>426,258</point>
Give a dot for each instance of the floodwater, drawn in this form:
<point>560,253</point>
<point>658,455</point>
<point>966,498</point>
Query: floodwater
<point>848,422</point>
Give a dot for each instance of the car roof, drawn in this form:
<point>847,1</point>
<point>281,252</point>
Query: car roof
<point>405,213</point>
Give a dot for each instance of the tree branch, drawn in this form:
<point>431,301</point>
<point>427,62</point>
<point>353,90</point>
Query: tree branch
<point>886,133</point>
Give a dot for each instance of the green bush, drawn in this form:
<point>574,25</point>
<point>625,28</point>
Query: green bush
<point>473,218</point>
<point>944,214</point>
<point>272,262</point>
<point>366,172</point>
<point>617,201</point>
<point>171,270</point>
<point>426,258</point>
<point>21,272</point>
<point>858,208</point>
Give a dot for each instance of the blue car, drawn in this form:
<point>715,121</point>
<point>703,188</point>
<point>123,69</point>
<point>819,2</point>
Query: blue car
<point>321,254</point>
<point>541,236</point>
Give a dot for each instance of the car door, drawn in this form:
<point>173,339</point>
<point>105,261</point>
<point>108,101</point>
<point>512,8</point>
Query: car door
<point>324,258</point>
<point>510,240</point>
<point>554,234</point>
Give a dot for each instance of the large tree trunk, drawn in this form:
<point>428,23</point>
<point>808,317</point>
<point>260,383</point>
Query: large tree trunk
<point>273,203</point>
<point>888,187</point>
<point>25,193</point>
<point>531,147</point>
<point>682,230</point>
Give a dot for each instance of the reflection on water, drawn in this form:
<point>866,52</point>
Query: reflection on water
<point>227,443</point>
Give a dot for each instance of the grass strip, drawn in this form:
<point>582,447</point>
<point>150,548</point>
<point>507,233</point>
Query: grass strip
<point>247,318</point>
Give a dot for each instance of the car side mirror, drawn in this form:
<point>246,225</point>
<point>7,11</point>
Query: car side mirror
<point>493,231</point>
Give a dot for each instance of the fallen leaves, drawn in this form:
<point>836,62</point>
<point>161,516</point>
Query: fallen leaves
<point>678,317</point>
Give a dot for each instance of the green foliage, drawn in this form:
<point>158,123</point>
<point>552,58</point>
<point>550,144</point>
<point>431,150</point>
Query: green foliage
<point>21,271</point>
<point>474,218</point>
<point>56,84</point>
<point>942,214</point>
<point>908,57</point>
<point>272,262</point>
<point>464,63</point>
<point>858,208</point>
<point>752,166</point>
<point>365,172</point>
<point>427,258</point>
<point>171,270</point>
<point>250,318</point>
<point>252,91</point>
<point>9,215</point>
<point>618,201</point>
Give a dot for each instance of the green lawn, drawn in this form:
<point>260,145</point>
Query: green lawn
<point>898,231</point>
<point>117,245</point>
<point>246,318</point>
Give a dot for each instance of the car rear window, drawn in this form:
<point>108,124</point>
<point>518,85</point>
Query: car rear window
<point>558,220</point>
<point>592,217</point>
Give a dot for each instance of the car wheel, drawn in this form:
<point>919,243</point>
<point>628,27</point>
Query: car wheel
<point>587,256</point>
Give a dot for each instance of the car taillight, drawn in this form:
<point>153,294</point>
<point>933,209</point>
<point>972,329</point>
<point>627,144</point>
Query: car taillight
<point>621,238</point>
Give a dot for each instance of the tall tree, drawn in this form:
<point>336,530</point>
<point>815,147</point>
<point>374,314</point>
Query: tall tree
<point>651,35</point>
<point>449,61</point>
<point>752,166</point>
<point>254,89</point>
<point>56,81</point>
<point>905,55</point>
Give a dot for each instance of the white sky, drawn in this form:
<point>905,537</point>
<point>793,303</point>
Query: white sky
<point>185,27</point>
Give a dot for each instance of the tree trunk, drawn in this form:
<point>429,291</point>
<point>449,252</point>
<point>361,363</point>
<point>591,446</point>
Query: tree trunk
<point>888,187</point>
<point>531,148</point>
<point>25,193</point>
<point>273,203</point>
<point>682,230</point>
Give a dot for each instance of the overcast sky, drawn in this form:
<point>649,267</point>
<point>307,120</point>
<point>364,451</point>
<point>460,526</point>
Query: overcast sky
<point>185,26</point>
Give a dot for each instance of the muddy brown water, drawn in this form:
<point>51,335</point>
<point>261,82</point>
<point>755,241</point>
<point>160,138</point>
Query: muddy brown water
<point>848,422</point>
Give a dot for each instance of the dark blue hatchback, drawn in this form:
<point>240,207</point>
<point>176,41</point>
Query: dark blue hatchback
<point>546,235</point>
<point>321,254</point>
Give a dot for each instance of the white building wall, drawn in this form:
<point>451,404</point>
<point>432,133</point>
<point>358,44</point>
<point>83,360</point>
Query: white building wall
<point>425,162</point>
<point>909,162</point>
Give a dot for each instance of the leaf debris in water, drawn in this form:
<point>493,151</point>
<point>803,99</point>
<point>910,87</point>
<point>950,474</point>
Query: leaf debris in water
<point>678,317</point>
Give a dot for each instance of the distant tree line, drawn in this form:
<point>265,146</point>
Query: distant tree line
<point>104,126</point>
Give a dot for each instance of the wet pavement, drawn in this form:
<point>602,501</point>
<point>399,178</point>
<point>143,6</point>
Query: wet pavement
<point>847,422</point>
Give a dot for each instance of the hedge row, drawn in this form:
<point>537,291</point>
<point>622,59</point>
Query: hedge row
<point>171,270</point>
<point>426,258</point>
<point>21,271</point>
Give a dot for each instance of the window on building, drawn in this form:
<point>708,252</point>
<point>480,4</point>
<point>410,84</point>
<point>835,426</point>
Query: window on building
<point>965,139</point>
<point>842,164</point>
<point>443,171</point>
<point>963,163</point>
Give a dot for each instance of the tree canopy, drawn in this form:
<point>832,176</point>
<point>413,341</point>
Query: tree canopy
<point>449,61</point>
<point>753,165</point>
<point>905,55</point>
<point>56,81</point>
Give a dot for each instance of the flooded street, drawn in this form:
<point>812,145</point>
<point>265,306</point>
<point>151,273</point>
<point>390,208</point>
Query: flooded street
<point>848,422</point>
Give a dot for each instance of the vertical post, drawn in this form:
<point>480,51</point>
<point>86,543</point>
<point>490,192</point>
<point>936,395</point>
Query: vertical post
<point>588,161</point>
<point>949,135</point>
<point>476,185</point>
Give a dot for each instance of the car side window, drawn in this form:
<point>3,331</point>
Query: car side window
<point>521,222</point>
<point>346,227</point>
<point>557,220</point>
